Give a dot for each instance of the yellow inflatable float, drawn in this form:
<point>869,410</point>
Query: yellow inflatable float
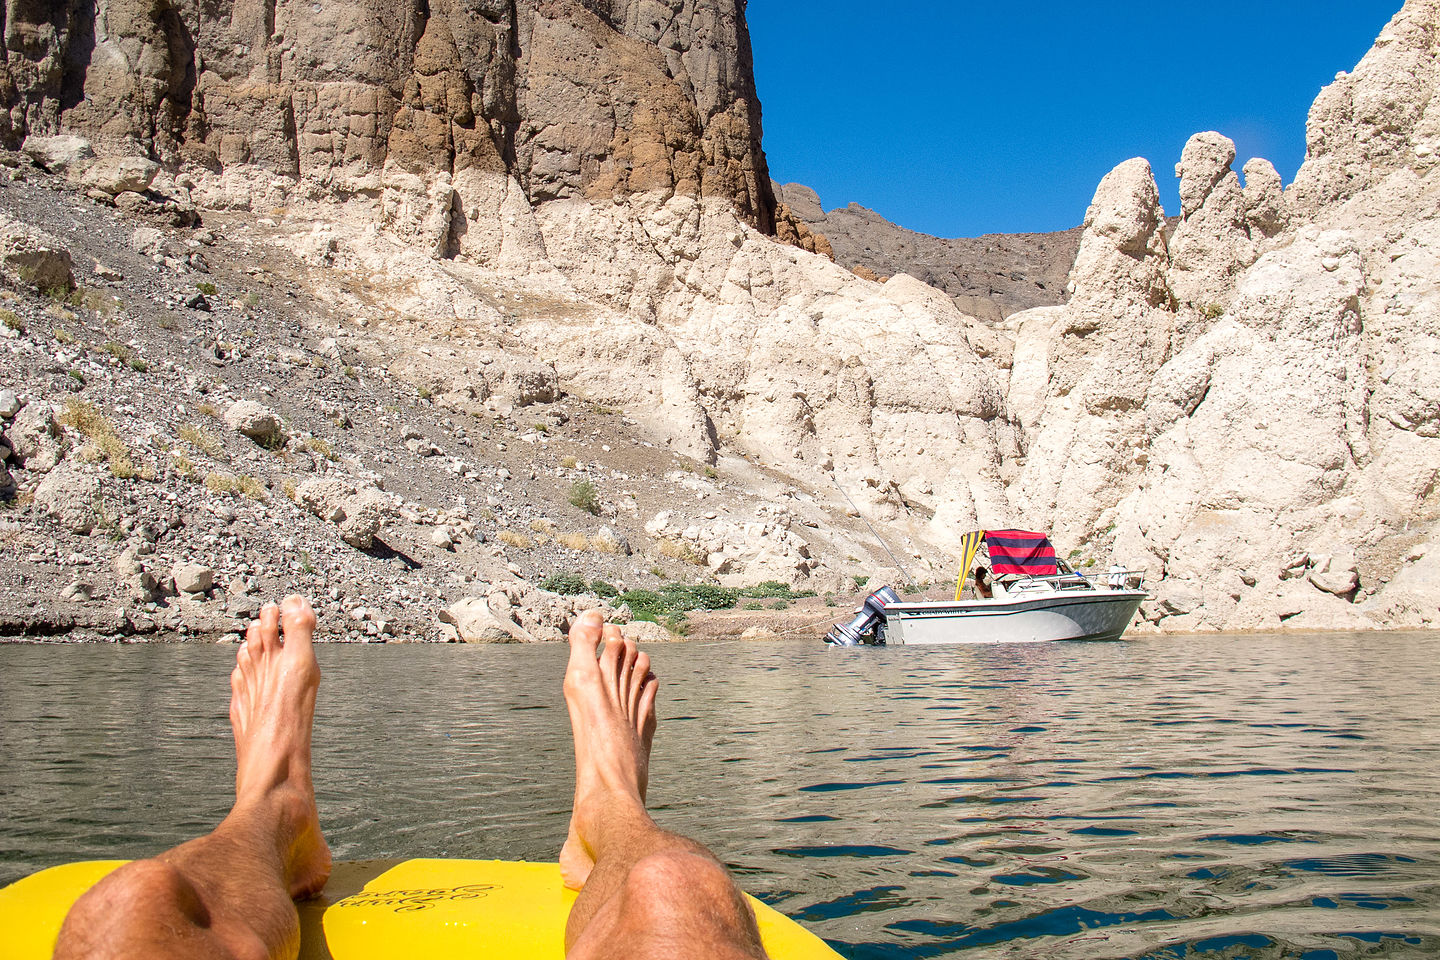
<point>376,910</point>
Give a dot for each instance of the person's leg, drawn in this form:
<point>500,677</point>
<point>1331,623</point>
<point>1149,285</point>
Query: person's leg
<point>229,894</point>
<point>644,892</point>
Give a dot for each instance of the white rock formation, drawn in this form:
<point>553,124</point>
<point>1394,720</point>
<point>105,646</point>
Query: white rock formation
<point>739,553</point>
<point>1275,462</point>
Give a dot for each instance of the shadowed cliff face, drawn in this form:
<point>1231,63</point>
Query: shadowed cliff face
<point>572,99</point>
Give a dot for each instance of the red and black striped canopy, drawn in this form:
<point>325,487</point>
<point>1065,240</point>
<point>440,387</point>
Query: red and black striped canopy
<point>1020,552</point>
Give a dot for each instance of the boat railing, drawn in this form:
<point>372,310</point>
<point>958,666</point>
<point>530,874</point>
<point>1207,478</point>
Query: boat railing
<point>1109,580</point>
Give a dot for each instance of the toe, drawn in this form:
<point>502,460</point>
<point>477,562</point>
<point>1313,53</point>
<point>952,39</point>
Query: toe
<point>269,632</point>
<point>249,650</point>
<point>647,710</point>
<point>610,657</point>
<point>584,641</point>
<point>298,619</point>
<point>638,675</point>
<point>237,691</point>
<point>629,653</point>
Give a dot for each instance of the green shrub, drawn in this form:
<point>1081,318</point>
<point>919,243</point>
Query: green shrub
<point>774,589</point>
<point>564,581</point>
<point>207,288</point>
<point>643,603</point>
<point>603,590</point>
<point>678,598</point>
<point>584,496</point>
<point>860,582</point>
<point>700,596</point>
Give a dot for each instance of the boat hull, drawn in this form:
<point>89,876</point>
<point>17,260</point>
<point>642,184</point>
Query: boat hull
<point>1062,615</point>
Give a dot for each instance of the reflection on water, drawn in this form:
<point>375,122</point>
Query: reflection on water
<point>1208,797</point>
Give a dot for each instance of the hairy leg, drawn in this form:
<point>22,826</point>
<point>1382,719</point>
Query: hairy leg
<point>230,893</point>
<point>645,892</point>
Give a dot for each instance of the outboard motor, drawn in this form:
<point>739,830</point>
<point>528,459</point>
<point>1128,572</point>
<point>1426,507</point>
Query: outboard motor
<point>869,620</point>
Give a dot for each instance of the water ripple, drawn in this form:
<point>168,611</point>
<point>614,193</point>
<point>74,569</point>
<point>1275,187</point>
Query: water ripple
<point>1212,797</point>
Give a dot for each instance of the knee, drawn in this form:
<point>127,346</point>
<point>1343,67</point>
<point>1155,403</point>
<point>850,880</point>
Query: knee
<point>144,885</point>
<point>114,911</point>
<point>664,884</point>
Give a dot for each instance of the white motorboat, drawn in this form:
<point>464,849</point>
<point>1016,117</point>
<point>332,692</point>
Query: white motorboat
<point>1034,601</point>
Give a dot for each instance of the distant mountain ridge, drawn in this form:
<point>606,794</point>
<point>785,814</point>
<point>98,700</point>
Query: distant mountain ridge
<point>989,277</point>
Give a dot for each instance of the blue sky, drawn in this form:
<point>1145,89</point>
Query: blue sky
<point>963,118</point>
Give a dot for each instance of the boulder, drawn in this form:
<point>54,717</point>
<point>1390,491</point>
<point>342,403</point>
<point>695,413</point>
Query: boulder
<point>325,497</point>
<point>254,420</point>
<point>121,174</point>
<point>58,154</point>
<point>33,257</point>
<point>9,405</point>
<point>71,494</point>
<point>1342,583</point>
<point>78,591</point>
<point>609,541</point>
<point>36,438</point>
<point>358,511</point>
<point>645,631</point>
<point>365,514</point>
<point>475,623</point>
<point>192,578</point>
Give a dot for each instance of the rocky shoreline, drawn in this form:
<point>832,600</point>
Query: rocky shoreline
<point>187,433</point>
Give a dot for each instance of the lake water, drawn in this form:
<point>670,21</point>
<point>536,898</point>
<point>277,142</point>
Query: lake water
<point>1158,798</point>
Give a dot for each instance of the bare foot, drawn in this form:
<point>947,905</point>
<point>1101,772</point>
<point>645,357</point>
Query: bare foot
<point>612,716</point>
<point>272,710</point>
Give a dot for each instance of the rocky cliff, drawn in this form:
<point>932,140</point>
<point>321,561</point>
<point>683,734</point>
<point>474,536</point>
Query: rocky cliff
<point>433,108</point>
<point>1250,406</point>
<point>989,277</point>
<point>503,205</point>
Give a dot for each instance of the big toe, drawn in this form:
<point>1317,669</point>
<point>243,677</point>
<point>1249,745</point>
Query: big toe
<point>298,619</point>
<point>585,635</point>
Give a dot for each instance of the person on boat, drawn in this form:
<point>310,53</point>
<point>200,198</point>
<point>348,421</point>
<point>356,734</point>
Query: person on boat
<point>982,583</point>
<point>644,892</point>
<point>987,586</point>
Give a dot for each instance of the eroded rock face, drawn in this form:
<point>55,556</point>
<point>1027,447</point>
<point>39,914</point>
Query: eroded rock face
<point>1379,123</point>
<point>436,105</point>
<point>1272,454</point>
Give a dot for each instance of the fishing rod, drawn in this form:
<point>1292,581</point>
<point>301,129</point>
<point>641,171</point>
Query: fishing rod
<point>909,580</point>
